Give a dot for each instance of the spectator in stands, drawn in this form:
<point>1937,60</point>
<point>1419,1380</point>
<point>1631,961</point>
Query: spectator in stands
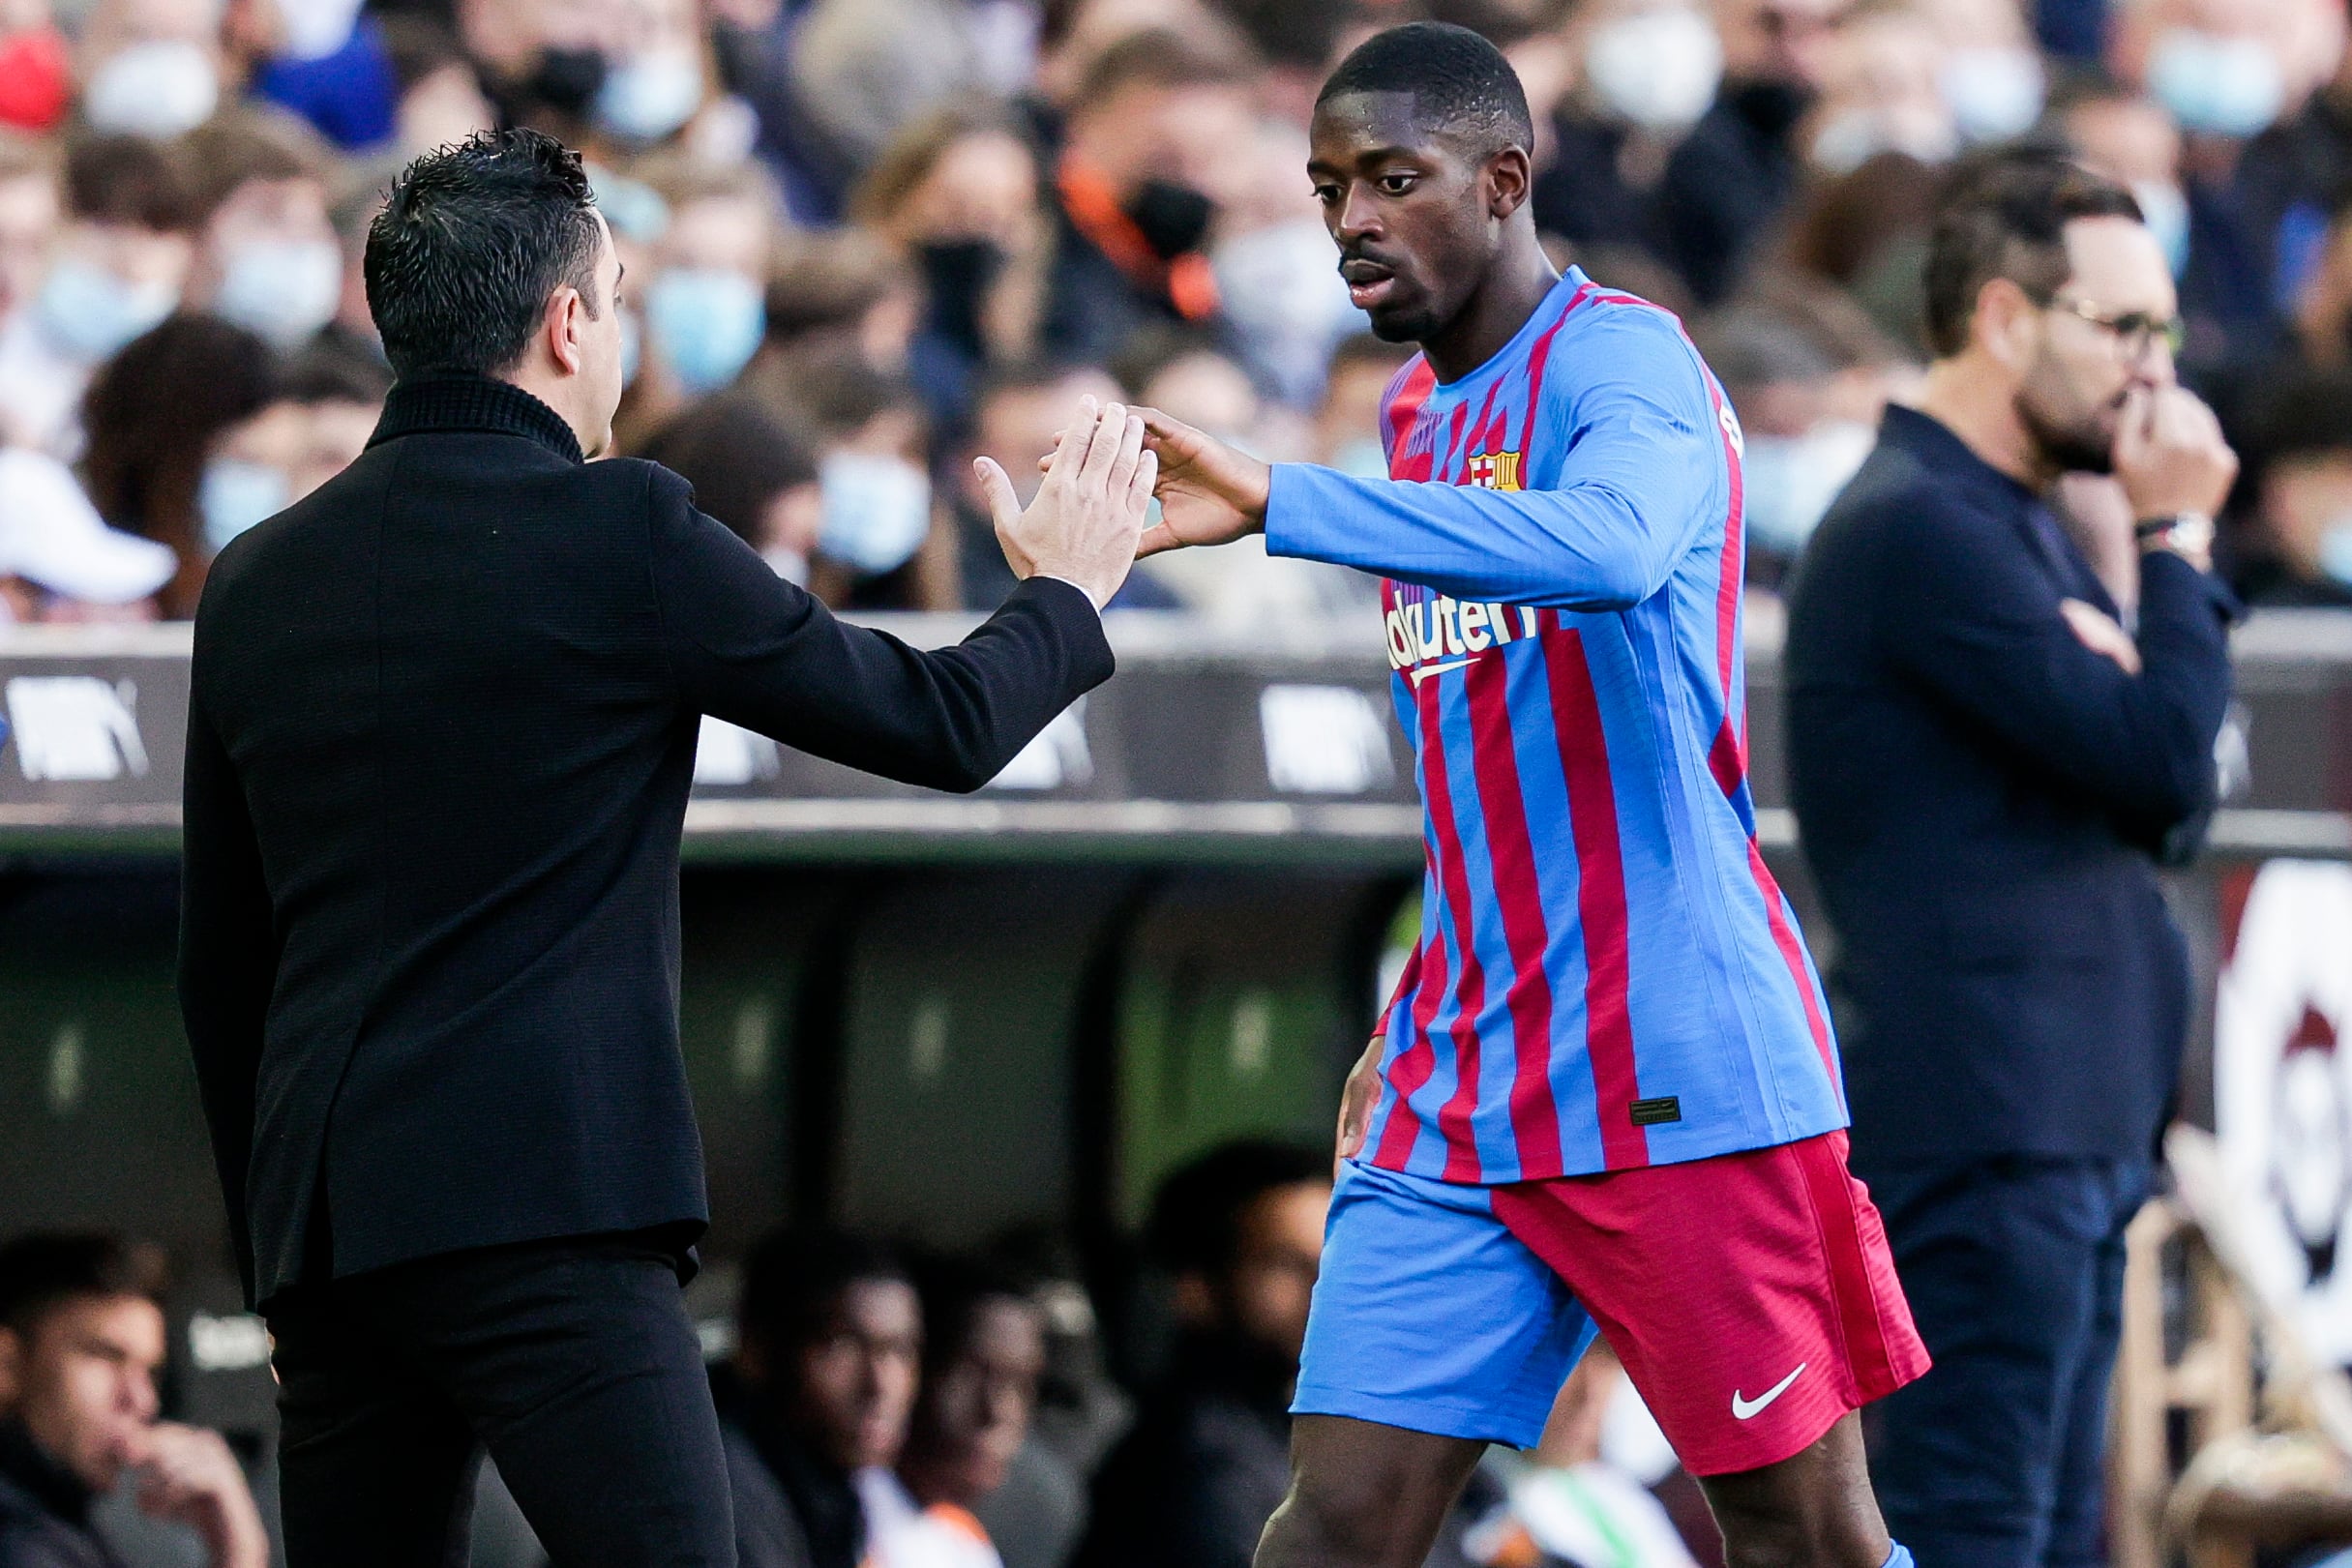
<point>1882,91</point>
<point>58,559</point>
<point>155,416</point>
<point>982,1353</point>
<point>326,406</point>
<point>36,68</point>
<point>2322,306</point>
<point>754,472</point>
<point>267,256</point>
<point>329,64</point>
<point>1017,410</point>
<point>1240,1233</point>
<point>31,207</point>
<point>440,92</point>
<point>1730,178</point>
<point>1348,435</point>
<point>152,67</point>
<point>2294,547</point>
<point>81,1337</point>
<point>829,1347</point>
<point>1800,447</point>
<point>1649,71</point>
<point>118,268</point>
<point>705,305</point>
<point>883,544</point>
<point>2288,178</point>
<point>1158,123</point>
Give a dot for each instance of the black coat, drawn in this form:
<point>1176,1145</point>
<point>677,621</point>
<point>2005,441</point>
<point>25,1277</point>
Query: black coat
<point>440,740</point>
<point>1982,800</point>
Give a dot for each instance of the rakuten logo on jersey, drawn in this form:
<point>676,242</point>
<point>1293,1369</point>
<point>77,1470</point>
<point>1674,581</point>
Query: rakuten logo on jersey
<point>1441,634</point>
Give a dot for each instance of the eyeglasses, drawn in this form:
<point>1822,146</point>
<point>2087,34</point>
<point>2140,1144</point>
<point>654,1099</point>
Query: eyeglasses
<point>2135,332</point>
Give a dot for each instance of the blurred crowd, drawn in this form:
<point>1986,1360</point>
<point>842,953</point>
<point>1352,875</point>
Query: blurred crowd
<point>880,1408</point>
<point>869,239</point>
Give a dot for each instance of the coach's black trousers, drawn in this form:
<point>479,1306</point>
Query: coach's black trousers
<point>572,1362</point>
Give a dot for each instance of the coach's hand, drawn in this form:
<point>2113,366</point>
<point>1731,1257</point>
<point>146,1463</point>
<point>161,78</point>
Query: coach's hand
<point>2170,456</point>
<point>1362,1092</point>
<point>1087,515</point>
<point>1208,493</point>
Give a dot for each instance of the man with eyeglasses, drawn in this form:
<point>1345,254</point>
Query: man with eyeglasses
<point>1989,759</point>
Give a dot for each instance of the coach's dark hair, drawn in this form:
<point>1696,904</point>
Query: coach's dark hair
<point>793,1279</point>
<point>472,239</point>
<point>42,1270</point>
<point>1459,81</point>
<point>2005,216</point>
<point>1196,1216</point>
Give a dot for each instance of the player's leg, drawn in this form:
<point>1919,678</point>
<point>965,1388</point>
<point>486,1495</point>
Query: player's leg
<point>1364,1495</point>
<point>1434,1332</point>
<point>1753,1299</point>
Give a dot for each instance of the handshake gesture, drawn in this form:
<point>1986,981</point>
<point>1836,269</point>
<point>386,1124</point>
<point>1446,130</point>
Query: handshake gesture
<point>1085,524</point>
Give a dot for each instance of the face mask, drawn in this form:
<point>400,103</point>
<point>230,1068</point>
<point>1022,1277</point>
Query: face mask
<point>317,28</point>
<point>706,324</point>
<point>789,564</point>
<point>1790,481</point>
<point>2220,86</point>
<point>1173,218</point>
<point>567,80</point>
<point>159,90</point>
<point>956,274</point>
<point>2335,550</point>
<point>1994,92</point>
<point>645,97</point>
<point>877,510</point>
<point>1361,458</point>
<point>1658,68</point>
<point>2166,210</point>
<point>236,494</point>
<point>1851,140</point>
<point>90,312</point>
<point>285,292</point>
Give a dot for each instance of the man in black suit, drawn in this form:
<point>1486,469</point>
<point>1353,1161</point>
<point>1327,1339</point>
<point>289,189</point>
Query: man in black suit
<point>439,745</point>
<point>1986,769</point>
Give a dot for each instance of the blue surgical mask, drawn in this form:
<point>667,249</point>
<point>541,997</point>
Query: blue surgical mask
<point>236,494</point>
<point>284,292</point>
<point>877,510</point>
<point>1790,481</point>
<point>2221,86</point>
<point>1995,90</point>
<point>91,313</point>
<point>2165,211</point>
<point>706,324</point>
<point>647,96</point>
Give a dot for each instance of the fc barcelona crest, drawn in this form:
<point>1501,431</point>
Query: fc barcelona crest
<point>1494,470</point>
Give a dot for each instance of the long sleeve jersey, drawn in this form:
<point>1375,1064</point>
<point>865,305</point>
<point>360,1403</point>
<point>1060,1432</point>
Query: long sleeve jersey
<point>1607,975</point>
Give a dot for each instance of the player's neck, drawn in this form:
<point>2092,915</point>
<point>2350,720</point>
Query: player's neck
<point>1513,290</point>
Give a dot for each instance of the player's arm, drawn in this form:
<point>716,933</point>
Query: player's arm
<point>229,957</point>
<point>1644,479</point>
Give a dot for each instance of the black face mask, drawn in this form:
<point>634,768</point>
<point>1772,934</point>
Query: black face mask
<point>1173,218</point>
<point>567,80</point>
<point>1772,107</point>
<point>956,274</point>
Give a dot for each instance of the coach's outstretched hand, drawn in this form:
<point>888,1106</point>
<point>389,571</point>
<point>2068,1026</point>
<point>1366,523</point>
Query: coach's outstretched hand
<point>1208,493</point>
<point>1087,518</point>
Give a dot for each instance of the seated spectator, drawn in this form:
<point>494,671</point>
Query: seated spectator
<point>36,68</point>
<point>982,1353</point>
<point>117,267</point>
<point>58,560</point>
<point>1347,433</point>
<point>326,407</point>
<point>82,1336</point>
<point>1241,1232</point>
<point>706,306</point>
<point>152,67</point>
<point>267,255</point>
<point>30,209</point>
<point>440,93</point>
<point>753,473</point>
<point>2322,306</point>
<point>829,1337</point>
<point>1158,121</point>
<point>154,417</point>
<point>2294,544</point>
<point>839,293</point>
<point>331,65</point>
<point>1648,72</point>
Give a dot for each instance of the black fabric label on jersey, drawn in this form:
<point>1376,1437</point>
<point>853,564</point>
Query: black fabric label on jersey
<point>1652,1112</point>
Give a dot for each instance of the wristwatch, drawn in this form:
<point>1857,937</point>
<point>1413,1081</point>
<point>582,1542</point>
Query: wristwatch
<point>2186,533</point>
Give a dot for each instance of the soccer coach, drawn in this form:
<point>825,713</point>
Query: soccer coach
<point>1986,769</point>
<point>439,747</point>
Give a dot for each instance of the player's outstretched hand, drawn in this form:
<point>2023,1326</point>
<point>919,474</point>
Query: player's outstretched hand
<point>1362,1092</point>
<point>1208,492</point>
<point>1087,518</point>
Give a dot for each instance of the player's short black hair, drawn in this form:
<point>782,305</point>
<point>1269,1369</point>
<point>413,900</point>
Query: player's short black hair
<point>1461,84</point>
<point>471,241</point>
<point>1197,1216</point>
<point>42,1270</point>
<point>2005,214</point>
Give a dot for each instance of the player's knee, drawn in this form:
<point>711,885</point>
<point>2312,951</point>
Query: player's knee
<point>1335,1522</point>
<point>1765,1536</point>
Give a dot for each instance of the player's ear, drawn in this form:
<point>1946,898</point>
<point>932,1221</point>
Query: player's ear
<point>1508,179</point>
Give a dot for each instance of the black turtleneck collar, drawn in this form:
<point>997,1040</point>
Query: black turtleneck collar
<point>49,1483</point>
<point>452,400</point>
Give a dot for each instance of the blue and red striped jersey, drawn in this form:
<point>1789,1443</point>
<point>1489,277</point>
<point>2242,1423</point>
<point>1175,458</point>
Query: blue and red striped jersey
<point>1607,976</point>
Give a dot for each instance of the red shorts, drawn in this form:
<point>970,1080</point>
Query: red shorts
<point>1752,1297</point>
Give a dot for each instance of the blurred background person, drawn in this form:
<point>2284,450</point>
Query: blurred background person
<point>754,472</point>
<point>267,255</point>
<point>829,1347</point>
<point>58,559</point>
<point>318,419</point>
<point>1239,1233</point>
<point>2291,544</point>
<point>81,1338</point>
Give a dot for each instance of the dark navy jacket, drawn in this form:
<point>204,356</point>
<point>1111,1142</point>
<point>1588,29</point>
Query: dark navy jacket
<point>1982,799</point>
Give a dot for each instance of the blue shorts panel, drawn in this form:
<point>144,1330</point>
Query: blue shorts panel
<point>1430,1315</point>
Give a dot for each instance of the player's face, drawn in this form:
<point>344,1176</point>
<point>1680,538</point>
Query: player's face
<point>1414,218</point>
